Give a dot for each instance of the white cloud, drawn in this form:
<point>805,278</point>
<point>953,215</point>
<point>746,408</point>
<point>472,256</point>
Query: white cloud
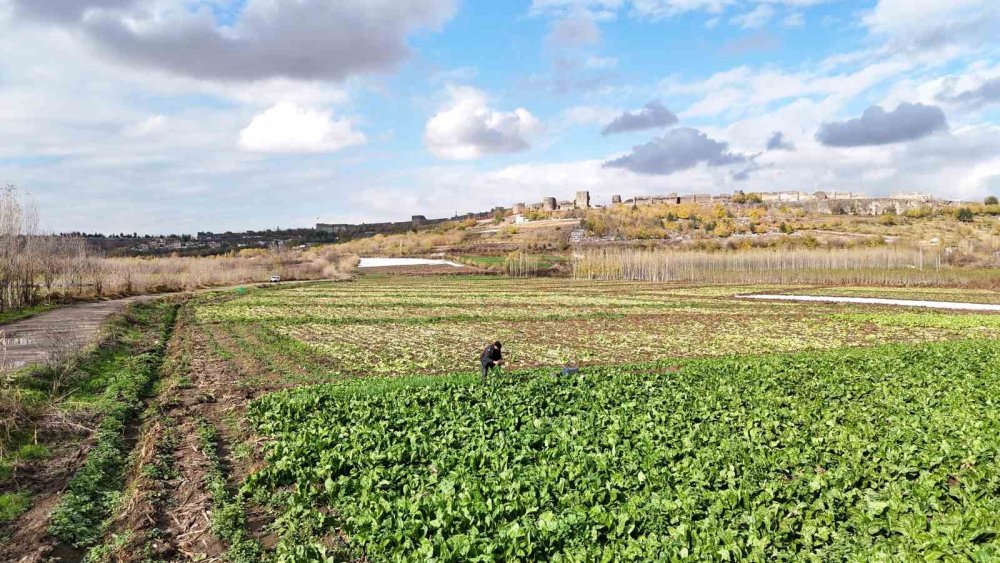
<point>467,128</point>
<point>288,128</point>
<point>145,127</point>
<point>601,62</point>
<point>653,9</point>
<point>578,30</point>
<point>932,24</point>
<point>276,90</point>
<point>756,18</point>
<point>794,19</point>
<point>590,115</point>
<point>743,90</point>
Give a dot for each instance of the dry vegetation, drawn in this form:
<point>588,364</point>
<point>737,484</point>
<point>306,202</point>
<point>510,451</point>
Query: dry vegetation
<point>860,266</point>
<point>744,227</point>
<point>35,267</point>
<point>407,244</point>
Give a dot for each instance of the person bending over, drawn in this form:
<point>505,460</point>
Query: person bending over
<point>491,358</point>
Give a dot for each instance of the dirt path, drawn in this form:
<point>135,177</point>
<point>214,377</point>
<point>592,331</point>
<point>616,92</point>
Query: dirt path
<point>952,305</point>
<point>56,333</point>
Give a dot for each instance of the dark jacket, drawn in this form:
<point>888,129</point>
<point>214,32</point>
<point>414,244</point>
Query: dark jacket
<point>491,355</point>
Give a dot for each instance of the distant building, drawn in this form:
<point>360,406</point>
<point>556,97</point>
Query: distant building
<point>911,196</point>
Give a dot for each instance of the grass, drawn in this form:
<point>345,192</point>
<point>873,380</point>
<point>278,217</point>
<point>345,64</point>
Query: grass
<point>15,315</point>
<point>32,452</point>
<point>95,489</point>
<point>13,505</point>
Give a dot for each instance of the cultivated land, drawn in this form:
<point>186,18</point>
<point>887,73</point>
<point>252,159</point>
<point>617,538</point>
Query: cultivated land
<point>347,420</point>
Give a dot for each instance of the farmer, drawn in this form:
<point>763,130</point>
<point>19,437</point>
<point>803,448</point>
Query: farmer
<point>491,357</point>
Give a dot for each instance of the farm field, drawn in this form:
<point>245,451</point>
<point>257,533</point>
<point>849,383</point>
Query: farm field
<point>407,326</point>
<point>341,420</point>
<point>821,455</point>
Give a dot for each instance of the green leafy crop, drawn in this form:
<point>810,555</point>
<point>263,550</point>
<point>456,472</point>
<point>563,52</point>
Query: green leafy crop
<point>884,453</point>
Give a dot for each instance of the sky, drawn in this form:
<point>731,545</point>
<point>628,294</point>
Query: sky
<point>178,116</point>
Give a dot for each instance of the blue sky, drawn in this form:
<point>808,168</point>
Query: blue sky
<point>186,115</point>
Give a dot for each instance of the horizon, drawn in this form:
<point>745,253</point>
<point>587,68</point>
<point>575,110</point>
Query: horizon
<point>235,115</point>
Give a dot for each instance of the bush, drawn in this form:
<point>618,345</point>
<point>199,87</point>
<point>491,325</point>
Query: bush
<point>965,215</point>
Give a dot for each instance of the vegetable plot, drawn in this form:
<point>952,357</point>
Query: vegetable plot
<point>890,452</point>
<point>407,326</point>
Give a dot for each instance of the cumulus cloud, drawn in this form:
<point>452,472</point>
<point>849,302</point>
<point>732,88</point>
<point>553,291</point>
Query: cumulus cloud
<point>467,128</point>
<point>678,149</point>
<point>652,115</point>
<point>777,142</point>
<point>986,93</point>
<point>879,127</point>
<point>304,39</point>
<point>287,128</point>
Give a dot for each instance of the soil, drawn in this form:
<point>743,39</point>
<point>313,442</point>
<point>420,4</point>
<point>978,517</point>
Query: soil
<point>170,517</point>
<point>45,480</point>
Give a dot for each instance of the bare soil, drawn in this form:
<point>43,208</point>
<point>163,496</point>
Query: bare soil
<point>169,517</point>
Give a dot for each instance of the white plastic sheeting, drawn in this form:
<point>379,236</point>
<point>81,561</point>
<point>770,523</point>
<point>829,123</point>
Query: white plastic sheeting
<point>383,262</point>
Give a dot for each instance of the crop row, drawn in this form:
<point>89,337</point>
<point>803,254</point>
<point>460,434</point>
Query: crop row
<point>884,453</point>
<point>400,326</point>
<point>448,347</point>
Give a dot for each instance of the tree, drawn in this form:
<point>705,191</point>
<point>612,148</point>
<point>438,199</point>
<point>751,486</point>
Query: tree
<point>991,200</point>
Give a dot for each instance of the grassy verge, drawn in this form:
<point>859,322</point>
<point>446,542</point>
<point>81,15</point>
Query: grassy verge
<point>128,368</point>
<point>8,317</point>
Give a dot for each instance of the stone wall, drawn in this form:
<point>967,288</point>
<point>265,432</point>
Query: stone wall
<point>870,206</point>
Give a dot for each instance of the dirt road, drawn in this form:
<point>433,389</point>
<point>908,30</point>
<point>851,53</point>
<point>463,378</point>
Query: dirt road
<point>56,333</point>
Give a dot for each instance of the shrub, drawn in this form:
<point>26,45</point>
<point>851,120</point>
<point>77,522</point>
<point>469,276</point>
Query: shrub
<point>964,215</point>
